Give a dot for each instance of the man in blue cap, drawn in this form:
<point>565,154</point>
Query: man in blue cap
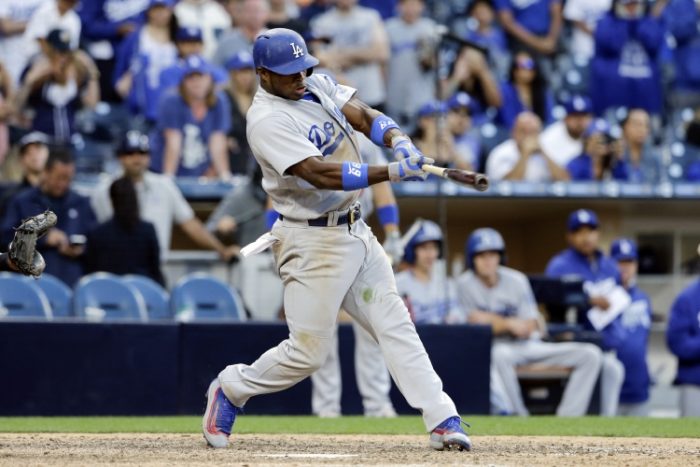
<point>600,154</point>
<point>628,334</point>
<point>563,140</point>
<point>585,261</point>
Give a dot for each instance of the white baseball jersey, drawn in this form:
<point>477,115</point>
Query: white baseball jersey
<point>431,302</point>
<point>283,132</point>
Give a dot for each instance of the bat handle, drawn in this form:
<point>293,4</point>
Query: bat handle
<point>432,169</point>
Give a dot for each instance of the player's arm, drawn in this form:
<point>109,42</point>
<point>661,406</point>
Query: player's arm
<point>503,326</point>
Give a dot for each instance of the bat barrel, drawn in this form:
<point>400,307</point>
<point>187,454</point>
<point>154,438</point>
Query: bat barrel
<point>481,182</point>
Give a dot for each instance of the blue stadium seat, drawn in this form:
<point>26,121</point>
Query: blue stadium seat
<point>58,294</point>
<point>155,296</point>
<point>103,296</point>
<point>199,296</point>
<point>20,297</point>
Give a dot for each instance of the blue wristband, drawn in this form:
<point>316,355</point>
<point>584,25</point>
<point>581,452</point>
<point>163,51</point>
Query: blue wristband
<point>381,125</point>
<point>388,214</point>
<point>270,217</point>
<point>354,176</point>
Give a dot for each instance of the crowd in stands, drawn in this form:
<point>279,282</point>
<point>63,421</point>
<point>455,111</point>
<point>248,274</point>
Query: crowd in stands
<point>534,91</point>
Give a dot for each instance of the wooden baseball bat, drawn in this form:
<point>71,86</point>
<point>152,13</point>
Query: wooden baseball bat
<point>479,182</point>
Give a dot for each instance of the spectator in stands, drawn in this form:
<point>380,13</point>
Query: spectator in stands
<point>412,40</point>
<point>467,142</point>
<point>280,17</point>
<point>190,135</point>
<point>250,23</point>
<point>479,25</point>
<point>142,56</point>
<point>691,171</point>
<point>7,110</point>
<point>51,15</point>
<point>601,153</point>
<point>526,89</point>
<point>105,25</point>
<point>14,17</point>
<point>428,293</point>
<point>358,50</point>
<point>683,340</point>
<point>33,153</point>
<point>470,73</point>
<point>64,244</point>
<point>534,24</point>
<point>521,157</point>
<point>160,200</point>
<point>681,18</point>
<point>585,261</point>
<point>240,92</point>
<point>124,244</point>
<point>56,85</point>
<point>628,334</point>
<point>208,15</point>
<point>436,139</point>
<point>563,140</point>
<point>625,67</point>
<point>495,295</point>
<point>640,162</point>
<point>584,16</point>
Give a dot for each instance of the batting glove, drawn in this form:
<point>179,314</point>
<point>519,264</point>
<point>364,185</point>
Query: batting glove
<point>404,148</point>
<point>409,169</point>
<point>392,247</point>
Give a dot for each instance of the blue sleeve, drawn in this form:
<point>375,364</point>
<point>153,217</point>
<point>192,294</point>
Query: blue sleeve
<point>681,19</point>
<point>555,267</point>
<point>501,5</point>
<point>651,35</point>
<point>170,110</point>
<point>613,335</point>
<point>94,24</point>
<point>680,338</point>
<point>125,53</point>
<point>223,117</point>
<point>578,171</point>
<point>610,38</point>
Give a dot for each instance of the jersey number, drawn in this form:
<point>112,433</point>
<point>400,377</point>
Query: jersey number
<point>296,50</point>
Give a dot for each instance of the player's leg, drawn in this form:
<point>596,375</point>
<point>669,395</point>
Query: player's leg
<point>373,380</point>
<point>585,361</point>
<point>326,385</point>
<point>374,303</point>
<point>640,409</point>
<point>505,388</point>
<point>612,375</point>
<point>690,400</point>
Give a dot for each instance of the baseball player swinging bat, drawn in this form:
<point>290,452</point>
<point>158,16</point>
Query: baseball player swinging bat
<point>479,182</point>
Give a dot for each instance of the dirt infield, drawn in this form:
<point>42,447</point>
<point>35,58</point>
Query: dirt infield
<point>184,449</point>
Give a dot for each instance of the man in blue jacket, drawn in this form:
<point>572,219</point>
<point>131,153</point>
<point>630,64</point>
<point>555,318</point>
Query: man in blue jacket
<point>63,245</point>
<point>683,339</point>
<point>628,334</point>
<point>583,260</point>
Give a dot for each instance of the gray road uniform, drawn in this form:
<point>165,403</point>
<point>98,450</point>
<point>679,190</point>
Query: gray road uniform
<point>326,268</point>
<point>373,380</point>
<point>513,297</point>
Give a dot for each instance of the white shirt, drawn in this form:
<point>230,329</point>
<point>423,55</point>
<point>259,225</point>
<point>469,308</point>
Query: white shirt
<point>558,144</point>
<point>505,156</point>
<point>589,12</point>
<point>12,47</point>
<point>207,15</point>
<point>283,132</point>
<point>160,203</point>
<point>45,19</point>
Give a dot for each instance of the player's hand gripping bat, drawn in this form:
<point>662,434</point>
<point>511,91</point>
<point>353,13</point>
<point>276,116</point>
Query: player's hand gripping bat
<point>479,182</point>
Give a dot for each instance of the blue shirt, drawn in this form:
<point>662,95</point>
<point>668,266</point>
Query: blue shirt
<point>175,114</point>
<point>171,76</point>
<point>681,18</point>
<point>101,19</point>
<point>571,263</point>
<point>533,15</point>
<point>580,168</point>
<point>683,334</point>
<point>75,217</point>
<point>628,335</point>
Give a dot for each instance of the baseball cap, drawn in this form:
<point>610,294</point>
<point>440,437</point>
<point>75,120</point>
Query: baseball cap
<point>461,100</point>
<point>195,64</point>
<point>431,108</point>
<point>59,39</point>
<point>133,142</point>
<point>240,61</point>
<point>623,249</point>
<point>598,125</point>
<point>578,104</point>
<point>189,34</point>
<point>35,137</point>
<point>582,218</point>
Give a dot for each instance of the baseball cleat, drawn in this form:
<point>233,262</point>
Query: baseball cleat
<point>219,416</point>
<point>450,435</point>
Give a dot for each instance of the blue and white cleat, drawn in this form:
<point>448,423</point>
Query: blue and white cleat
<point>219,416</point>
<point>450,435</point>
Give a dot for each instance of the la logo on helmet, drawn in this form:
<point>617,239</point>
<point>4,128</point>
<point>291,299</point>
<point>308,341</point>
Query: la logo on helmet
<point>296,50</point>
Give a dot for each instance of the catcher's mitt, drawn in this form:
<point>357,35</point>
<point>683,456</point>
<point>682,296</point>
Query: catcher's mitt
<point>22,251</point>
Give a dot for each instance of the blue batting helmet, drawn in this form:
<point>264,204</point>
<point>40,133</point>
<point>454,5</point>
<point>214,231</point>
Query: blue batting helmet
<point>282,51</point>
<point>428,231</point>
<point>484,239</point>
